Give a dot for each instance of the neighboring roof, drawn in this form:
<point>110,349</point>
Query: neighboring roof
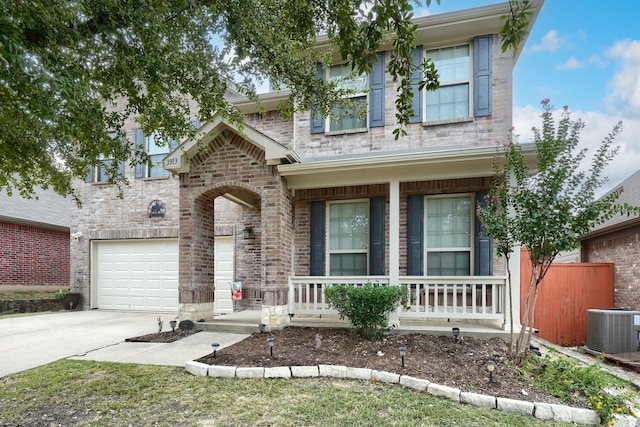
<point>47,210</point>
<point>630,195</point>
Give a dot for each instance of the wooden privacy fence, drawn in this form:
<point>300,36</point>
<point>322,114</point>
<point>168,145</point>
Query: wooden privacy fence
<point>565,295</point>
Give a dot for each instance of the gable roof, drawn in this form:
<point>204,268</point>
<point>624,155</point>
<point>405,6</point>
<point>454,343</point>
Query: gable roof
<point>178,160</point>
<point>49,210</point>
<point>630,195</point>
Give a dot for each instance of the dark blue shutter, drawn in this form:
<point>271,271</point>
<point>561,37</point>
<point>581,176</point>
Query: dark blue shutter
<point>317,119</point>
<point>416,53</point>
<point>415,235</point>
<point>376,96</point>
<point>484,243</point>
<point>317,238</point>
<point>377,207</point>
<point>138,139</point>
<point>482,75</point>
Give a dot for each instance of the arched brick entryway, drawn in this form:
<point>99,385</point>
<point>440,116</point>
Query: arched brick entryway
<point>234,168</point>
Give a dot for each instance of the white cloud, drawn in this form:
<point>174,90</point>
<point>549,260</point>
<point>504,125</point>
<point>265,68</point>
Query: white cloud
<point>624,87</point>
<point>597,61</point>
<point>571,64</point>
<point>550,42</point>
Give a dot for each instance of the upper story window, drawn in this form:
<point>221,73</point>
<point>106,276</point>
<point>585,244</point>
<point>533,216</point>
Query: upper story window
<point>353,117</point>
<point>367,99</point>
<point>99,173</point>
<point>156,153</point>
<point>452,99</point>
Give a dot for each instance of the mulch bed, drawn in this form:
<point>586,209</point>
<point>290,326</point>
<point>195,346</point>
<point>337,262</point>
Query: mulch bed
<point>440,359</point>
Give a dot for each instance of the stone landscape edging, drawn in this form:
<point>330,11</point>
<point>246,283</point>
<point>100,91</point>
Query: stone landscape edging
<point>543,411</point>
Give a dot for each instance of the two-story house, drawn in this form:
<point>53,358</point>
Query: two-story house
<point>288,207</point>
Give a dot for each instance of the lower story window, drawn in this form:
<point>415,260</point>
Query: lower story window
<point>448,235</point>
<point>348,238</point>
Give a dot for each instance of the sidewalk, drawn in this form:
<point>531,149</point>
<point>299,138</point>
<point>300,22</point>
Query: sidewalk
<point>27,342</point>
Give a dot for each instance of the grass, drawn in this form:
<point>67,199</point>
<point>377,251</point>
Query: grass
<point>86,393</point>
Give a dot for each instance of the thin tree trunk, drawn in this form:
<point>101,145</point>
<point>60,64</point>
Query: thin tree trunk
<point>510,290</point>
<point>527,319</point>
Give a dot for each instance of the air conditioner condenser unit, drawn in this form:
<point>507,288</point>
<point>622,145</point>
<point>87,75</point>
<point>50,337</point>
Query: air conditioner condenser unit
<point>613,330</point>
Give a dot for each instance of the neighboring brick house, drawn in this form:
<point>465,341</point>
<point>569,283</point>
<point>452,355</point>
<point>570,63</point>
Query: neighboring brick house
<point>618,240</point>
<point>34,240</point>
<point>287,207</point>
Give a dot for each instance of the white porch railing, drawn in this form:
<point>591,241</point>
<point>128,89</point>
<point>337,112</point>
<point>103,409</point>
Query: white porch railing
<point>475,298</point>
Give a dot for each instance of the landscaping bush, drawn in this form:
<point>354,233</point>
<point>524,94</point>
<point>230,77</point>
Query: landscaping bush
<point>366,306</point>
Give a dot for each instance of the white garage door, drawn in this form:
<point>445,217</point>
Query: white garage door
<point>137,275</point>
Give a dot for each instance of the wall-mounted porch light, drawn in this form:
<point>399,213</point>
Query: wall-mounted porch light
<point>247,232</point>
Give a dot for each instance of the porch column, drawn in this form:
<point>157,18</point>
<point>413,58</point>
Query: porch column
<point>394,242</point>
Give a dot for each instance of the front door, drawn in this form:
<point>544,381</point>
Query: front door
<point>223,274</point>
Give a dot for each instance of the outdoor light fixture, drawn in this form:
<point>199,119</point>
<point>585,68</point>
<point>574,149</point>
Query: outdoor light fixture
<point>403,352</point>
<point>247,232</point>
<point>261,327</point>
<point>491,366</point>
<point>271,342</point>
<point>173,325</point>
<point>215,346</point>
<point>455,332</point>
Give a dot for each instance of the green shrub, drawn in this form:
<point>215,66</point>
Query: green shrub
<point>366,306</point>
<point>564,378</point>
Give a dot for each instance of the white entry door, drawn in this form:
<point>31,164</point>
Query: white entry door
<point>223,274</point>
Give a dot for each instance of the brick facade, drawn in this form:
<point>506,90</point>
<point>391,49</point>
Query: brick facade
<point>236,167</point>
<point>33,256</point>
<point>623,248</point>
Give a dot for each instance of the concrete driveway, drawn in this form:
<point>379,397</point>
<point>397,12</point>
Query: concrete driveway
<point>32,341</point>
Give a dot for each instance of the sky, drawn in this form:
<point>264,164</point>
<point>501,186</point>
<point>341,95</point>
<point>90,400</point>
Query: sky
<point>585,55</point>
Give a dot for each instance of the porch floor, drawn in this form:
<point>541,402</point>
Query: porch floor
<point>246,321</point>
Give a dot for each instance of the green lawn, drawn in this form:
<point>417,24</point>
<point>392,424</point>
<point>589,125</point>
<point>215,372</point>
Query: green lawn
<point>81,393</point>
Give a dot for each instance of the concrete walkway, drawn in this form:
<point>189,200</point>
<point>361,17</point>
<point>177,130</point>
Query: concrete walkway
<point>31,341</point>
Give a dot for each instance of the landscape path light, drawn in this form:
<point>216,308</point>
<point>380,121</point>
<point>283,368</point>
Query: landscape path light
<point>455,331</point>
<point>271,342</point>
<point>215,346</point>
<point>491,366</point>
<point>173,325</point>
<point>261,327</point>
<point>403,352</point>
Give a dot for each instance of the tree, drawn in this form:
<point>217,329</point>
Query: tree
<point>547,208</point>
<point>65,66</point>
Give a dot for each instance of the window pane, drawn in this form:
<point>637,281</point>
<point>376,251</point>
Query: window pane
<point>153,145</point>
<point>449,222</point>
<point>348,264</point>
<point>452,63</point>
<point>448,263</point>
<point>351,118</point>
<point>448,102</point>
<point>154,169</point>
<point>348,226</point>
<point>341,75</point>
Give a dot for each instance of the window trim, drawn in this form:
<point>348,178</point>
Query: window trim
<point>470,81</point>
<point>329,251</point>
<point>472,236</point>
